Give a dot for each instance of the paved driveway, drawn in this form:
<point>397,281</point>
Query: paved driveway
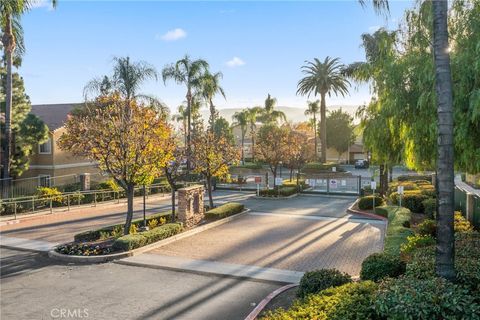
<point>34,288</point>
<point>298,234</point>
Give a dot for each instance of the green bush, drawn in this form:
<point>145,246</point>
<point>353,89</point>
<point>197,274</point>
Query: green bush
<point>133,241</point>
<point>382,211</point>
<point>435,298</point>
<point>349,301</point>
<point>249,165</point>
<point>397,233</point>
<point>427,228</point>
<point>225,210</point>
<point>381,265</point>
<point>93,235</point>
<point>45,194</point>
<point>426,177</point>
<point>316,167</point>
<point>109,184</point>
<point>430,207</point>
<point>301,184</point>
<point>366,203</point>
<point>318,280</point>
<point>414,242</point>
<point>460,223</point>
<point>411,200</point>
<point>278,192</point>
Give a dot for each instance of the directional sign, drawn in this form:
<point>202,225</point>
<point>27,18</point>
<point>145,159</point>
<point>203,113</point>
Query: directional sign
<point>373,185</point>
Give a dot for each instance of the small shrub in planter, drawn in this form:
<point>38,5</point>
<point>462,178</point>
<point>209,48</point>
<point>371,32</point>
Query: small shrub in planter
<point>349,301</point>
<point>381,265</point>
<point>366,203</point>
<point>133,241</point>
<point>225,210</point>
<point>76,249</point>
<point>278,192</point>
<point>434,298</point>
<point>318,280</point>
<point>414,242</point>
<point>427,228</point>
<point>430,207</point>
<point>381,211</point>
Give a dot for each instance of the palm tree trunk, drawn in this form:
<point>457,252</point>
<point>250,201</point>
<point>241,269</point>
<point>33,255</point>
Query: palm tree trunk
<point>315,135</point>
<point>445,249</point>
<point>9,45</point>
<point>189,121</point>
<point>243,152</point>
<point>212,115</point>
<point>323,128</point>
<point>253,143</point>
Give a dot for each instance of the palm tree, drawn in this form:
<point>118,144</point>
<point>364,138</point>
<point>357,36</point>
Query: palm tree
<point>182,116</point>
<point>12,38</point>
<point>322,78</point>
<point>445,249</point>
<point>189,73</point>
<point>210,86</point>
<point>269,114</point>
<point>253,115</point>
<point>241,119</point>
<point>312,110</point>
<point>127,78</point>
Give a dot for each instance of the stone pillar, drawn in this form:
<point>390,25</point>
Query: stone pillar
<point>190,205</point>
<point>469,207</point>
<point>85,181</point>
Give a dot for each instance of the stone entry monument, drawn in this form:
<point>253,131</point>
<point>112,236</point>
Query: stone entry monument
<point>190,205</point>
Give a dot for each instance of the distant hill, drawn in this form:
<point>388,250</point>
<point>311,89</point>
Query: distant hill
<point>293,114</point>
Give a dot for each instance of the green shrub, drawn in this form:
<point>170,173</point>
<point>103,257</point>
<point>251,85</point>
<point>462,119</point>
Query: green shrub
<point>316,167</point>
<point>426,177</point>
<point>225,210</point>
<point>46,193</point>
<point>318,280</point>
<point>133,241</point>
<point>109,184</point>
<point>411,200</point>
<point>407,186</point>
<point>460,223</point>
<point>427,228</point>
<point>430,207</point>
<point>397,233</point>
<point>278,191</point>
<point>381,265</point>
<point>249,165</point>
<point>381,211</point>
<point>301,184</point>
<point>349,301</point>
<point>414,242</point>
<point>435,298</point>
<point>93,235</point>
<point>366,203</point>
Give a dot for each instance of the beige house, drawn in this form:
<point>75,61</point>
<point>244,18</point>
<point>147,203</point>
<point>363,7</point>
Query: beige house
<point>49,160</point>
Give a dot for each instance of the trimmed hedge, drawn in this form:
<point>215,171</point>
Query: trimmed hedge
<point>137,240</point>
<point>411,200</point>
<point>378,266</point>
<point>434,298</point>
<point>349,301</point>
<point>278,192</point>
<point>426,177</point>
<point>224,210</point>
<point>318,280</point>
<point>93,235</point>
<point>430,207</point>
<point>382,211</point>
<point>366,203</point>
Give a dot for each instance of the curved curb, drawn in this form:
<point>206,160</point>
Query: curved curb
<point>120,255</point>
<point>276,198</point>
<point>365,214</point>
<point>259,308</point>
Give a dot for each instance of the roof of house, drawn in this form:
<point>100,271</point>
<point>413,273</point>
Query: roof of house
<point>53,115</point>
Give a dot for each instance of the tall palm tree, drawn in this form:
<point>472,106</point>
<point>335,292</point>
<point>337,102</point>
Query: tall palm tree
<point>269,114</point>
<point>253,115</point>
<point>182,116</point>
<point>127,78</point>
<point>189,73</point>
<point>241,119</point>
<point>210,86</point>
<point>445,249</point>
<point>12,38</point>
<point>322,78</point>
<point>312,110</point>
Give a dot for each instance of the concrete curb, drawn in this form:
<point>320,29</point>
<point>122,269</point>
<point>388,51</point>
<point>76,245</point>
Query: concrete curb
<point>365,214</point>
<point>259,308</point>
<point>276,198</point>
<point>115,256</point>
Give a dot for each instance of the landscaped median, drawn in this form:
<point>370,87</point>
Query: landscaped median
<point>109,243</point>
<point>279,192</point>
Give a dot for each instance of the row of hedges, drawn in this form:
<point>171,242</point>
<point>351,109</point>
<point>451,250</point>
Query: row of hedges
<point>137,240</point>
<point>318,167</point>
<point>427,177</point>
<point>224,211</point>
<point>93,235</point>
<point>418,196</point>
<point>280,191</point>
<point>366,203</point>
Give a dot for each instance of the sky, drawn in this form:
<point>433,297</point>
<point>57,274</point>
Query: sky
<point>258,46</point>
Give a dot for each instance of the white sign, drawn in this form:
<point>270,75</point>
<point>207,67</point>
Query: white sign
<point>334,169</point>
<point>373,185</point>
<point>344,183</point>
<point>311,182</point>
<point>400,189</point>
<point>278,181</point>
<point>333,184</point>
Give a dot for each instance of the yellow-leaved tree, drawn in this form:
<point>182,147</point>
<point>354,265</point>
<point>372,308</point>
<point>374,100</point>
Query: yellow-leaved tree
<point>128,140</point>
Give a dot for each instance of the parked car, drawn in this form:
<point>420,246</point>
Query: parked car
<point>361,164</point>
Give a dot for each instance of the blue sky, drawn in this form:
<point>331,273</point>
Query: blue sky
<point>259,46</point>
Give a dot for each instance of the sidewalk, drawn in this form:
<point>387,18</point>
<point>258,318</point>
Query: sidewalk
<point>462,185</point>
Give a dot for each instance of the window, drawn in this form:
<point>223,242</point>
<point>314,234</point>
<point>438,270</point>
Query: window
<point>45,148</point>
<point>44,180</point>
